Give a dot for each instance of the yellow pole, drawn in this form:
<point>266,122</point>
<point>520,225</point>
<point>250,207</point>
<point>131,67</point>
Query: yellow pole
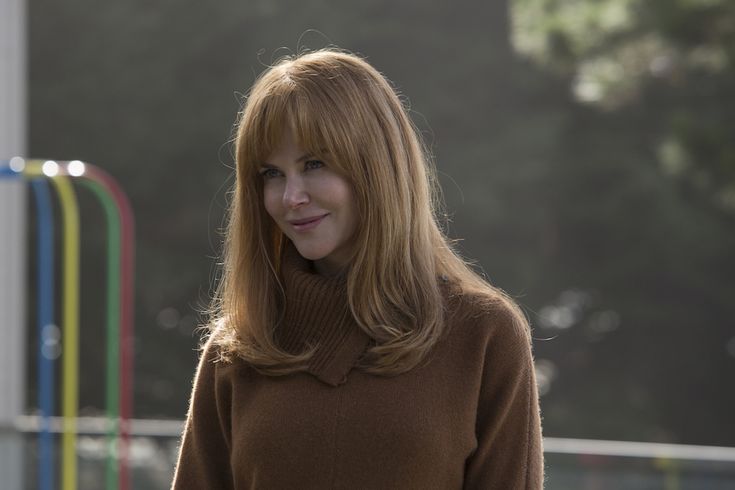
<point>70,335</point>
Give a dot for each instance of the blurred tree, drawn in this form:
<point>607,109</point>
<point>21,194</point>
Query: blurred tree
<point>674,56</point>
<point>645,179</point>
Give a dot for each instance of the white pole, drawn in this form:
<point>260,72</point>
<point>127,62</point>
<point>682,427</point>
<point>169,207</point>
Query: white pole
<point>12,241</point>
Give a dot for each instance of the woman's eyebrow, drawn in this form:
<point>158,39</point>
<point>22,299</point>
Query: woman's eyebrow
<point>298,160</point>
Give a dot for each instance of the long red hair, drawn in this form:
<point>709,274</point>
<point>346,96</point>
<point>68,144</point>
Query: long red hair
<point>339,105</point>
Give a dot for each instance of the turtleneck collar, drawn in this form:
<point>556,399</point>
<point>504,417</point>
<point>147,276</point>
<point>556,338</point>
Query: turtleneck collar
<point>317,314</point>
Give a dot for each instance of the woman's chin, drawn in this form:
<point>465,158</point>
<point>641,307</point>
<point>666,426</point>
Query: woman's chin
<point>310,252</point>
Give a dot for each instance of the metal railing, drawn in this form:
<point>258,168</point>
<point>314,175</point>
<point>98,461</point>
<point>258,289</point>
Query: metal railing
<point>583,464</point>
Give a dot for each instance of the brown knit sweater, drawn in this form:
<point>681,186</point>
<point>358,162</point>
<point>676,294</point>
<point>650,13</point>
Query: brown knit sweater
<point>468,418</point>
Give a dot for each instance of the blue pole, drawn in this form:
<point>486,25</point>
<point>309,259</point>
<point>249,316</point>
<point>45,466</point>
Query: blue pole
<point>47,331</point>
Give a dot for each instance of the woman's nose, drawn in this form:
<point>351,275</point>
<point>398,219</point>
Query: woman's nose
<point>295,194</point>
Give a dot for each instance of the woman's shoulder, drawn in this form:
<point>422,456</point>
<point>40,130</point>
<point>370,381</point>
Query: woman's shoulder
<point>486,317</point>
<point>219,348</point>
<point>488,334</point>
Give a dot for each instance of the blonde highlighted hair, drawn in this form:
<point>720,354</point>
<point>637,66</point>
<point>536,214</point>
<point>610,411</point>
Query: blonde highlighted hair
<point>343,110</point>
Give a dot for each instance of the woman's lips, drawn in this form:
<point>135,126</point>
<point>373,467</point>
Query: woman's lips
<point>307,223</point>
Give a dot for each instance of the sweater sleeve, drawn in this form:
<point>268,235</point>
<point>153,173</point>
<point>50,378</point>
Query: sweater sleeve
<point>204,455</point>
<point>509,453</point>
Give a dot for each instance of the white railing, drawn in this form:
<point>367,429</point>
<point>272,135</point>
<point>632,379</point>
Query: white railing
<point>639,449</point>
<point>558,445</point>
<point>100,425</point>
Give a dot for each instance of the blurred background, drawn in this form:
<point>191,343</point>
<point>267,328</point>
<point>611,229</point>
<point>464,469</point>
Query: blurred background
<point>585,150</point>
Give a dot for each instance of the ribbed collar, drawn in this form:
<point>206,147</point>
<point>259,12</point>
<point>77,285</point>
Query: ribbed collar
<point>317,314</point>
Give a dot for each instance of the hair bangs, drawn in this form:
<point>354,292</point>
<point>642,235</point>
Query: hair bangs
<point>319,130</point>
<point>261,129</point>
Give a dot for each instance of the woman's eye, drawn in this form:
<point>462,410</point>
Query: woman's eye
<point>269,173</point>
<point>313,164</point>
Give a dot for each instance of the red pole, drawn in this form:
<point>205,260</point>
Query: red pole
<point>127,279</point>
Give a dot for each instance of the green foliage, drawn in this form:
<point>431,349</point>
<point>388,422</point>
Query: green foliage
<point>644,213</point>
<point>625,53</point>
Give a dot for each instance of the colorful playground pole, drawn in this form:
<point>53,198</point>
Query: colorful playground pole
<point>112,398</point>
<point>120,213</point>
<point>70,315</point>
<point>48,332</point>
<point>70,331</point>
<point>120,275</point>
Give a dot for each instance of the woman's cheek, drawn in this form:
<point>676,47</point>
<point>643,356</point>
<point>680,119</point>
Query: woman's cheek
<point>271,200</point>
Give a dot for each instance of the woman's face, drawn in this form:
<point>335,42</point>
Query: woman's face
<point>311,203</point>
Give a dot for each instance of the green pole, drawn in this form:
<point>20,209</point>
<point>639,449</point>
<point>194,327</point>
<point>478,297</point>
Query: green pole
<point>113,329</point>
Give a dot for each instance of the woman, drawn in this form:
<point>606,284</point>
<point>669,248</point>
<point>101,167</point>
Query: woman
<point>350,346</point>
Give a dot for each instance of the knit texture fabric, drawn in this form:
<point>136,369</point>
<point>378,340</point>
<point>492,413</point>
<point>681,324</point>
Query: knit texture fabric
<point>317,314</point>
<point>467,418</point>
